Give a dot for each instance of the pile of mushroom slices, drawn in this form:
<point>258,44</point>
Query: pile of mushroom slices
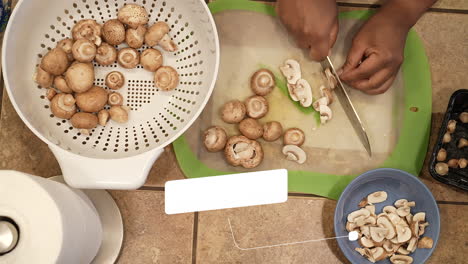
<point>68,73</point>
<point>244,150</point>
<point>442,167</point>
<point>394,233</point>
<point>300,90</point>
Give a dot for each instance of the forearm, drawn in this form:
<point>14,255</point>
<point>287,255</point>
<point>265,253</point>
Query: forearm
<point>406,12</point>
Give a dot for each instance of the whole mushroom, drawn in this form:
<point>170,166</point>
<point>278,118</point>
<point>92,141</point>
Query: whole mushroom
<point>166,78</point>
<point>50,94</point>
<point>118,114</point>
<point>151,59</point>
<point>250,128</point>
<point>294,136</point>
<point>272,131</point>
<point>83,120</point>
<point>262,82</point>
<point>158,34</point>
<point>61,84</point>
<point>113,32</point>
<point>215,139</point>
<point>128,58</point>
<point>442,168</point>
<point>92,100</point>
<point>43,78</point>
<point>106,54</point>
<point>256,106</point>
<point>66,44</point>
<point>115,80</point>
<point>88,29</point>
<point>241,151</point>
<point>135,38</point>
<point>63,106</point>
<point>55,62</point>
<point>233,112</point>
<point>103,117</point>
<point>332,82</point>
<point>115,99</point>
<point>133,15</point>
<point>464,117</point>
<point>451,126</point>
<point>84,50</point>
<point>442,155</point>
<point>80,77</point>
<point>462,143</point>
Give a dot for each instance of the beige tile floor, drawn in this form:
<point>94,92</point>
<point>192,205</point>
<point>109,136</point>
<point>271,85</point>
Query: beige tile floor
<point>153,237</point>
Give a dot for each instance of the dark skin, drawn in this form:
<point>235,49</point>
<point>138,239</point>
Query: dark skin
<point>377,49</point>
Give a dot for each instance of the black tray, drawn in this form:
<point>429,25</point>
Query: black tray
<point>457,177</point>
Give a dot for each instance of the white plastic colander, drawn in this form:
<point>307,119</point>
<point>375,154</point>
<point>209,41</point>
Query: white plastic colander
<point>116,156</point>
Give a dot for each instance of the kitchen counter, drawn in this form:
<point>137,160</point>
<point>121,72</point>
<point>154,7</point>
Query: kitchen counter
<point>153,237</point>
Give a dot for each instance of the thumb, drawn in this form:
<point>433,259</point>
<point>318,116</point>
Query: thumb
<point>333,34</point>
<point>355,55</point>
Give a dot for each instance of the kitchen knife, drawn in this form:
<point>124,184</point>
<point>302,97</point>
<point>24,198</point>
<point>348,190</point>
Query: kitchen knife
<point>348,107</point>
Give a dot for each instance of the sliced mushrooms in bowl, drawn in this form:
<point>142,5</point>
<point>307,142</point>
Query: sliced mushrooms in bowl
<point>395,214</point>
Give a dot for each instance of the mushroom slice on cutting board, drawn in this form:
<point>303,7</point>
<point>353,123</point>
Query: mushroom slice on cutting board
<point>291,70</point>
<point>294,153</point>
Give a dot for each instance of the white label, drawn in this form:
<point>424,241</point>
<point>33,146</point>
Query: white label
<point>228,191</point>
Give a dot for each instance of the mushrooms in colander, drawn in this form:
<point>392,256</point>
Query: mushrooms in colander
<point>88,29</point>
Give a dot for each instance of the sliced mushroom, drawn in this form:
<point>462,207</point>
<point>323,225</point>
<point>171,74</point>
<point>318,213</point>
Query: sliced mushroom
<point>115,80</point>
<point>327,92</point>
<point>365,231</point>
<point>377,197</point>
<point>128,58</point>
<point>378,234</point>
<point>166,78</point>
<point>215,139</point>
<point>66,45</point>
<point>332,82</point>
<point>262,82</point>
<point>383,221</point>
<point>399,259</point>
<point>366,242</point>
<point>292,71</point>
<point>409,218</point>
<point>151,59</point>
<point>403,251</point>
<point>118,114</point>
<point>414,226</point>
<point>394,218</point>
<point>325,114</point>
<point>106,54</point>
<point>319,102</point>
<point>113,32</point>
<point>371,209</point>
<point>403,233</point>
<point>256,106</point>
<point>389,209</point>
<point>88,29</point>
<point>43,78</point>
<point>84,120</point>
<point>63,106</point>
<point>92,100</point>
<point>233,112</point>
<point>272,131</point>
<point>389,246</point>
<point>302,92</point>
<point>419,217</point>
<point>442,168</point>
<point>464,117</point>
<point>250,128</point>
<point>294,136</point>
<point>403,211</point>
<point>294,153</point>
<point>401,203</point>
<point>80,77</point>
<point>351,227</point>
<point>422,228</point>
<point>158,34</point>
<point>133,15</point>
<point>55,62</point>
<point>442,155</point>
<point>451,126</point>
<point>241,151</point>
<point>412,244</point>
<point>84,50</point>
<point>359,213</point>
<point>426,242</point>
<point>378,253</point>
<point>135,38</point>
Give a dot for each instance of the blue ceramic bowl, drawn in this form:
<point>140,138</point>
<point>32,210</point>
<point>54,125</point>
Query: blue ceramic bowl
<point>398,185</point>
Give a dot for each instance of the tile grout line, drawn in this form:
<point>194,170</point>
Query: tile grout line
<point>195,238</point>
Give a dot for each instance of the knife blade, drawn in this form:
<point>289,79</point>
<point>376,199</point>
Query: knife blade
<point>348,107</point>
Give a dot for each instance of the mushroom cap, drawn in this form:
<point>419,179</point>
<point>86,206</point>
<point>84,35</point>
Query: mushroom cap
<point>442,168</point>
<point>256,106</point>
<point>55,61</point>
<point>155,33</point>
<point>166,78</point>
<point>151,59</point>
<point>115,99</point>
<point>462,143</point>
<point>447,138</point>
<point>233,112</point>
<point>80,77</point>
<point>118,114</point>
<point>272,131</point>
<point>451,126</point>
<point>61,85</point>
<point>113,32</point>
<point>83,120</point>
<point>294,153</point>
<point>92,100</point>
<point>128,58</point>
<point>133,15</point>
<point>241,151</point>
<point>294,136</point>
<point>115,80</point>
<point>135,38</point>
<point>66,44</point>
<point>63,106</point>
<point>442,155</point>
<point>250,128</point>
<point>464,117</point>
<point>87,29</point>
<point>106,54</point>
<point>168,44</point>
<point>43,78</point>
<point>215,139</point>
<point>84,50</point>
<point>262,82</point>
<point>291,70</point>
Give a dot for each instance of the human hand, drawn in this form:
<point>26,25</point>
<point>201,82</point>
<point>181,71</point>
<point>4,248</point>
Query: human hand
<point>376,55</point>
<point>313,23</point>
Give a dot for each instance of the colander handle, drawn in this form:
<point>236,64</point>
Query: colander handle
<point>91,173</point>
